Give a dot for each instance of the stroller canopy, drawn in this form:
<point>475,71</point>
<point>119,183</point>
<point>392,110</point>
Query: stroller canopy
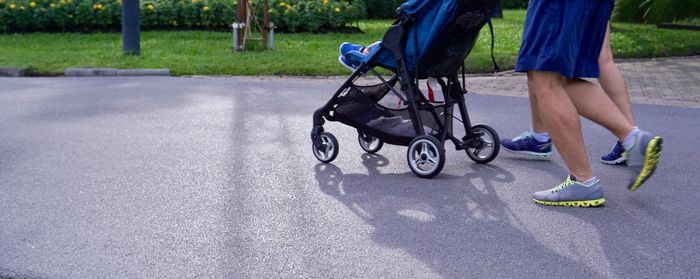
<point>453,23</point>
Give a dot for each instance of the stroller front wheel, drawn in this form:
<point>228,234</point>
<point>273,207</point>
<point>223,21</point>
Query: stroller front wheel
<point>369,143</point>
<point>486,146</point>
<point>426,156</point>
<point>328,149</point>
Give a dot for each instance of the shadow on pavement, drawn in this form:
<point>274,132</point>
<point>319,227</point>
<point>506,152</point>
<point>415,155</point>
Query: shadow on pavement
<point>445,222</point>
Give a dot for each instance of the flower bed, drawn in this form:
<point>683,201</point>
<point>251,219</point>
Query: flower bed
<point>105,15</point>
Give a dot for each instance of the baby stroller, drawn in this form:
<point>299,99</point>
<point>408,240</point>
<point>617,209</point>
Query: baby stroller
<point>430,39</point>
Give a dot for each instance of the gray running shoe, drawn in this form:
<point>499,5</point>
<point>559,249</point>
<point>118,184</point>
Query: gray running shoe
<point>642,158</point>
<point>571,193</point>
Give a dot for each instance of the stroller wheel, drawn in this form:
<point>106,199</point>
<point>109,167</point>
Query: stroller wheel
<point>329,149</point>
<point>369,143</point>
<point>426,156</point>
<point>486,146</point>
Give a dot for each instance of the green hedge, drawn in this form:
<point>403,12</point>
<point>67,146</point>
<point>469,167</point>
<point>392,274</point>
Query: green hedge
<point>105,15</point>
<point>314,15</point>
<point>384,9</point>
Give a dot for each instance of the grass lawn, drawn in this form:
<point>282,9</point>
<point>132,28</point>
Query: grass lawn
<point>209,53</point>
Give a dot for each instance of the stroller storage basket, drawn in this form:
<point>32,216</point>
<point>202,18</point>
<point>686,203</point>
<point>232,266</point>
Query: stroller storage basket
<point>362,108</point>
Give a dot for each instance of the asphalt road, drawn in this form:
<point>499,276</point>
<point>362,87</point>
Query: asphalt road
<point>214,178</point>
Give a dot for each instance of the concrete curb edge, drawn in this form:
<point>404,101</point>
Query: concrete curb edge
<point>13,72</point>
<point>91,72</point>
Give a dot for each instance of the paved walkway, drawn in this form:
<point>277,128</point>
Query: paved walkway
<point>663,81</point>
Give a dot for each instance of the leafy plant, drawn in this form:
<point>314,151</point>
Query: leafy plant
<point>655,11</point>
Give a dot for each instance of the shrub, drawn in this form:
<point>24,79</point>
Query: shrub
<point>105,15</point>
<point>515,4</point>
<point>655,11</point>
<point>314,15</point>
<point>384,9</point>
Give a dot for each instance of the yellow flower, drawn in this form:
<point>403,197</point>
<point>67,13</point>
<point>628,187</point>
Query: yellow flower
<point>12,6</point>
<point>194,1</point>
<point>63,2</point>
<point>282,4</point>
<point>53,6</point>
<point>205,8</point>
<point>325,2</point>
<point>150,7</point>
<point>337,10</point>
<point>21,8</point>
<point>32,4</point>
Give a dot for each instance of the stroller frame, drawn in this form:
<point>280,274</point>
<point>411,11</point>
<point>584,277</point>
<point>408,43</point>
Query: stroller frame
<point>426,147</point>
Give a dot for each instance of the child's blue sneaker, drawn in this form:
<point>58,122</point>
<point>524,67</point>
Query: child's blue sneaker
<point>615,156</point>
<point>346,47</point>
<point>346,63</point>
<point>351,60</point>
<point>528,145</point>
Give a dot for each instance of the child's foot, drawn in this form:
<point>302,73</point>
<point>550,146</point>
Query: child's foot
<point>346,47</point>
<point>346,63</point>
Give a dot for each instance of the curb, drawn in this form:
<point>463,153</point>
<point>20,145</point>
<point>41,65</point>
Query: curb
<point>13,72</point>
<point>110,72</point>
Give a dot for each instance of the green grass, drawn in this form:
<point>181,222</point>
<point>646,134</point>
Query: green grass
<point>209,53</point>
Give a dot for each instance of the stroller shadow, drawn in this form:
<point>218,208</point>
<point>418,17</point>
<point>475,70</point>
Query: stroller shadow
<point>455,225</point>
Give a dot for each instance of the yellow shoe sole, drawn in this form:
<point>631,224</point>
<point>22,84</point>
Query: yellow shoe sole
<point>651,158</point>
<point>589,203</point>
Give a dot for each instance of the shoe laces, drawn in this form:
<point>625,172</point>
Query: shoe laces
<point>523,136</point>
<point>568,182</point>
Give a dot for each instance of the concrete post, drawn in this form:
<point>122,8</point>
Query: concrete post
<point>131,27</point>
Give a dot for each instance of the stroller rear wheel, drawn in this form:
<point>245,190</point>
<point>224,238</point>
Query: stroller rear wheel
<point>369,143</point>
<point>485,148</point>
<point>329,148</point>
<point>426,156</point>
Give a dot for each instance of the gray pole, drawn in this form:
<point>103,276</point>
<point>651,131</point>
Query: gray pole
<point>131,34</point>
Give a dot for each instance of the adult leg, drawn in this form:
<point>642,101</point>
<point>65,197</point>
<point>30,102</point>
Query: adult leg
<point>612,81</point>
<point>592,103</point>
<point>559,115</point>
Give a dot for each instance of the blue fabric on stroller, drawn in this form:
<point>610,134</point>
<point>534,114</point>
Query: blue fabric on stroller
<point>430,18</point>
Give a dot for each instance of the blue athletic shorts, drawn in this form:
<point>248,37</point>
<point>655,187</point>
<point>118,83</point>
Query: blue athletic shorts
<point>564,36</point>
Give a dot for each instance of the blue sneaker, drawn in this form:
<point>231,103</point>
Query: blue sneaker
<point>615,156</point>
<point>642,157</point>
<point>528,145</point>
<point>351,60</point>
<point>346,47</point>
<point>346,63</point>
<point>571,193</point>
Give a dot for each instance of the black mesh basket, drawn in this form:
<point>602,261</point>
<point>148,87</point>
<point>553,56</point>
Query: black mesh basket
<point>374,112</point>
